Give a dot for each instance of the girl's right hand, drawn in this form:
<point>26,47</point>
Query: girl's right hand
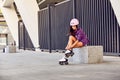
<point>68,48</point>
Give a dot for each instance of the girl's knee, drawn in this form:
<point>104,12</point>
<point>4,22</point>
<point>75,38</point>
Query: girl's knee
<point>72,37</point>
<point>80,44</point>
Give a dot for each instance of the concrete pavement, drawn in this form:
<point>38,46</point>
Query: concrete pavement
<point>30,65</point>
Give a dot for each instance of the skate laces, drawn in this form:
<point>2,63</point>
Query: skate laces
<point>68,51</point>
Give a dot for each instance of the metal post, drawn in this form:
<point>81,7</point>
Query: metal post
<point>6,35</point>
<point>49,28</point>
<point>74,8</point>
<point>118,39</point>
<point>24,35</point>
<point>19,34</point>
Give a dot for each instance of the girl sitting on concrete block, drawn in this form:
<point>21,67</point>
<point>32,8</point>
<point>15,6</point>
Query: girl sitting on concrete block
<point>77,39</point>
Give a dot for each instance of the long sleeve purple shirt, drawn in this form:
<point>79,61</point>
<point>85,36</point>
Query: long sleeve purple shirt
<point>81,36</point>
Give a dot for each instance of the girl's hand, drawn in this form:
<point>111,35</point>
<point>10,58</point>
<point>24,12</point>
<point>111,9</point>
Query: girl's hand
<point>68,48</point>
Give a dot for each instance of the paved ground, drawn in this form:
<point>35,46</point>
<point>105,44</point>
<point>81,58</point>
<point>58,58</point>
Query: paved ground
<point>29,65</point>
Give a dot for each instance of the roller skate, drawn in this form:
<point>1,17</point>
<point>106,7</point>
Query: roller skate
<point>69,53</point>
<point>64,60</point>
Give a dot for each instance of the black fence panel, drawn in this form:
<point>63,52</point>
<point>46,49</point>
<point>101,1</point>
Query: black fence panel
<point>24,38</point>
<point>59,26</point>
<point>43,28</point>
<point>98,20</point>
<point>62,19</point>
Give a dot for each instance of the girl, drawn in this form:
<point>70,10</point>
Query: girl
<point>77,39</point>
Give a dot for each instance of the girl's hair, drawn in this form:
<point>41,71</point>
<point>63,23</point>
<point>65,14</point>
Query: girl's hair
<point>71,31</point>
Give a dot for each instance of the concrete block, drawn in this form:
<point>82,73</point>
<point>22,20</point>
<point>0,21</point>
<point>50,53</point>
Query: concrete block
<point>95,54</point>
<point>80,55</point>
<point>12,49</point>
<point>88,54</point>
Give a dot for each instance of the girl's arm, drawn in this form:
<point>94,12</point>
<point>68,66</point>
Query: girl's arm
<point>73,45</point>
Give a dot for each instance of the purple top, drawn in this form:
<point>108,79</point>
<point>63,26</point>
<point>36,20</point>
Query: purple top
<point>81,36</point>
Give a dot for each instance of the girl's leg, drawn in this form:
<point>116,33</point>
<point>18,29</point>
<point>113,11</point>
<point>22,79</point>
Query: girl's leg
<point>79,44</point>
<point>71,41</point>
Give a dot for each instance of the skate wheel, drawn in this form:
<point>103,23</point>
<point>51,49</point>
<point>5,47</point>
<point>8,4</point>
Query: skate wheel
<point>66,63</point>
<point>61,63</point>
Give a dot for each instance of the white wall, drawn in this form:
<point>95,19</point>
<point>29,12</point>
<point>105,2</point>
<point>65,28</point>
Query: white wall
<point>116,7</point>
<point>7,3</point>
<point>11,19</point>
<point>28,10</point>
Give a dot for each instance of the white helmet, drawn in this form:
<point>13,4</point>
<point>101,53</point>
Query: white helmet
<point>74,22</point>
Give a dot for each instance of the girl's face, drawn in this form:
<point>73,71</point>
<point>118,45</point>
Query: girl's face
<point>74,27</point>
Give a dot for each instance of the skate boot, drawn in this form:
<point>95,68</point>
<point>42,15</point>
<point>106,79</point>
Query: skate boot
<point>69,53</point>
<point>63,61</point>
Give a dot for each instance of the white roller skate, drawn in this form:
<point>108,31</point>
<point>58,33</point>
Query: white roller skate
<point>64,60</point>
<point>69,53</point>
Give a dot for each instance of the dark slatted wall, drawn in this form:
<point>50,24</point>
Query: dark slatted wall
<point>98,20</point>
<point>59,26</point>
<point>24,38</point>
<point>43,28</point>
<point>96,17</point>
